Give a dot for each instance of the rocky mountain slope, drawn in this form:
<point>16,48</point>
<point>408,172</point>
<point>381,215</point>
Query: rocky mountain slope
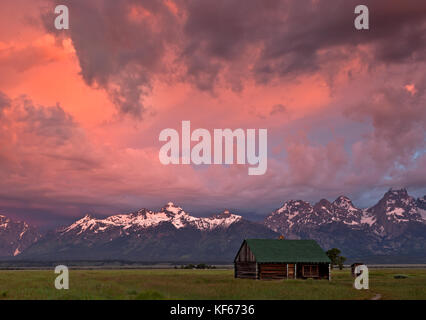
<point>392,227</point>
<point>15,236</point>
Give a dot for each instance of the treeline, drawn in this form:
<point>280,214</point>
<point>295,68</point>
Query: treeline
<point>196,266</point>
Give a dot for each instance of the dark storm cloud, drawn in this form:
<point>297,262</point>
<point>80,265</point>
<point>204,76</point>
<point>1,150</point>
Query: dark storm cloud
<point>291,34</point>
<point>120,45</point>
<point>123,45</point>
<point>31,131</point>
<point>398,118</point>
<point>218,33</point>
<point>45,122</point>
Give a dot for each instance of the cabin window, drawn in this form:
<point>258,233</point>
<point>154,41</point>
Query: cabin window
<point>310,271</point>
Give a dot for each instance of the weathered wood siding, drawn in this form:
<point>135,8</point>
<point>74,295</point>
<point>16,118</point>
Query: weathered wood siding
<point>245,265</point>
<point>245,255</point>
<point>245,270</point>
<point>272,271</point>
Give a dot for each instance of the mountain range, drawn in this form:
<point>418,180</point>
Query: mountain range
<point>393,230</point>
<point>170,234</point>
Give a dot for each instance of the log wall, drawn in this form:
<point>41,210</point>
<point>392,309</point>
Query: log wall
<point>246,270</point>
<point>270,271</point>
<point>277,271</point>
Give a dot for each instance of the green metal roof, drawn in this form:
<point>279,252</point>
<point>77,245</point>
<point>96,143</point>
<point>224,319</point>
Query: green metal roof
<point>276,250</point>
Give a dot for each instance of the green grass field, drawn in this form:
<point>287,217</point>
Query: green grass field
<point>205,284</point>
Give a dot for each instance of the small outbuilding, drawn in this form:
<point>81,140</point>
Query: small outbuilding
<point>281,259</point>
<point>353,266</point>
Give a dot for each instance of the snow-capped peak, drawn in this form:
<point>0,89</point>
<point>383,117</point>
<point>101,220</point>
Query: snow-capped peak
<point>83,224</point>
<point>343,202</point>
<point>292,207</point>
<point>296,214</point>
<point>224,220</point>
<point>292,213</point>
<point>144,218</point>
<point>395,208</point>
<point>171,207</point>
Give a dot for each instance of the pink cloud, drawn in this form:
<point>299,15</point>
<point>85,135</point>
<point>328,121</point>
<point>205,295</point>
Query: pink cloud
<point>81,111</point>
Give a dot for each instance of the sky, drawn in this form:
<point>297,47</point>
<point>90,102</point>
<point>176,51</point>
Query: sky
<point>81,109</point>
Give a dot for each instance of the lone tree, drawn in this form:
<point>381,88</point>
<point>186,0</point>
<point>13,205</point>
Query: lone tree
<point>340,261</point>
<point>336,258</point>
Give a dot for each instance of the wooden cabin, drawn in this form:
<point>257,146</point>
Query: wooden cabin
<point>281,259</point>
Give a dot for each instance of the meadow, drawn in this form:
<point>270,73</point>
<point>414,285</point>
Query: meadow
<point>206,284</point>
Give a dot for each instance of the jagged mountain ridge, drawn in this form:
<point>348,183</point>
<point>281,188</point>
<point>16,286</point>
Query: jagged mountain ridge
<point>170,234</point>
<point>144,218</point>
<point>396,207</point>
<point>394,226</point>
<point>393,212</point>
<point>296,215</point>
